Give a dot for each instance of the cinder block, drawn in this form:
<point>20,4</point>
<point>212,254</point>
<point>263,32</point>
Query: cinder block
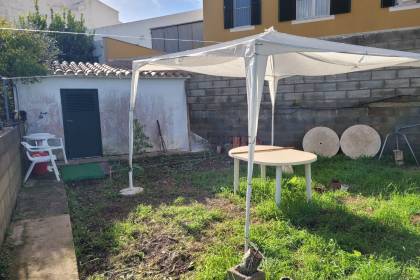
<point>191,85</point>
<point>213,91</point>
<point>237,83</point>
<point>409,73</point>
<point>359,76</point>
<point>388,36</point>
<point>221,99</point>
<point>238,99</point>
<point>313,95</point>
<point>304,87</point>
<point>382,93</point>
<point>197,92</point>
<point>415,82</point>
<point>205,85</point>
<point>336,78</point>
<point>398,83</point>
<point>294,80</point>
<point>335,95</point>
<point>220,84</point>
<point>230,91</point>
<point>409,34</point>
<point>326,87</point>
<point>384,74</point>
<point>348,85</point>
<point>417,44</point>
<point>285,88</point>
<point>372,84</point>
<point>197,107</point>
<point>408,91</point>
<point>402,45</point>
<point>292,96</point>
<point>363,93</point>
<point>191,99</point>
<point>315,79</point>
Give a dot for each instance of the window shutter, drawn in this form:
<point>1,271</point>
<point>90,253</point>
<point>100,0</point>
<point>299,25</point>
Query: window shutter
<point>287,10</point>
<point>387,3</point>
<point>228,11</point>
<point>256,12</point>
<point>340,7</point>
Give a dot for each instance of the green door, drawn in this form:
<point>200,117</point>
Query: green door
<point>81,121</point>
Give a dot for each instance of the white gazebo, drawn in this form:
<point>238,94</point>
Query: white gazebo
<point>269,56</point>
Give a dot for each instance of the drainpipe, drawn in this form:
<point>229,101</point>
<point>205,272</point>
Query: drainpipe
<point>6,101</point>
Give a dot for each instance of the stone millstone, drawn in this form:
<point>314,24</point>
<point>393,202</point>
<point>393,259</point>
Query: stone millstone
<point>360,141</point>
<point>322,141</point>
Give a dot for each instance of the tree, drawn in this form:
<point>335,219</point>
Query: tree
<point>24,53</point>
<point>73,47</point>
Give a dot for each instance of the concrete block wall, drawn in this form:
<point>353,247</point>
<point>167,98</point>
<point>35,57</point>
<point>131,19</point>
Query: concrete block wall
<point>10,175</point>
<point>382,98</point>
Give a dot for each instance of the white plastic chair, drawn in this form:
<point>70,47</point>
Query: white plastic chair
<point>58,145</point>
<point>47,139</point>
<point>41,159</point>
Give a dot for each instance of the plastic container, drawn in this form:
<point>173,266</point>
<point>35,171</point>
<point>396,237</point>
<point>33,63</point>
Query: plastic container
<point>40,168</point>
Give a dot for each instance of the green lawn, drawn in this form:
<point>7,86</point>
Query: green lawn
<point>188,224</point>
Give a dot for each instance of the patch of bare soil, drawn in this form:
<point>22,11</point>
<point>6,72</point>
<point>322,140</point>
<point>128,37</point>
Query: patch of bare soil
<point>162,252</point>
<point>159,252</point>
<point>158,255</point>
<point>415,219</point>
<point>227,207</point>
<point>356,201</point>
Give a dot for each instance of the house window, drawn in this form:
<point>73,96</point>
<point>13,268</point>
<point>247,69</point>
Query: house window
<point>302,10</point>
<point>307,9</point>
<point>241,13</point>
<point>406,2</point>
<point>399,4</point>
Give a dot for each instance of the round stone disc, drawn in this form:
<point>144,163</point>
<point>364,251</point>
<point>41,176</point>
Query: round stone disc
<point>360,141</point>
<point>322,141</point>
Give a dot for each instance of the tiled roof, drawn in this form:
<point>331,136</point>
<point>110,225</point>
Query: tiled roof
<point>104,70</point>
<point>87,69</point>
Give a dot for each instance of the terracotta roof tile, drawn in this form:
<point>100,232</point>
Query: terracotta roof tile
<point>104,70</point>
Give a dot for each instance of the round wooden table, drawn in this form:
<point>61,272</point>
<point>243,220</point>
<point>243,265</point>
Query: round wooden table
<point>278,157</point>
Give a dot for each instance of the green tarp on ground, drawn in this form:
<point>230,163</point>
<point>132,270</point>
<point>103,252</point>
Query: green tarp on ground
<point>87,171</point>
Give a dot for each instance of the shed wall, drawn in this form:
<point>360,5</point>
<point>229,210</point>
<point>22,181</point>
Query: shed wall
<point>42,102</point>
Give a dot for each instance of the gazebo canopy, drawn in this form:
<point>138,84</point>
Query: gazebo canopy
<point>268,56</point>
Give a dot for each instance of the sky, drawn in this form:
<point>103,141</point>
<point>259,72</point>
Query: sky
<point>131,10</point>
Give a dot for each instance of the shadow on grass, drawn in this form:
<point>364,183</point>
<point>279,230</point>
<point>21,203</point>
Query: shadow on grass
<point>365,234</point>
<point>368,177</point>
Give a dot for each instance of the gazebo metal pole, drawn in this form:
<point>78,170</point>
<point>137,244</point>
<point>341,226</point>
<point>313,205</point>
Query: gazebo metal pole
<point>131,190</point>
<point>255,73</point>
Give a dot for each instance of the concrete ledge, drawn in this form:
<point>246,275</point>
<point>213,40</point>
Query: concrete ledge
<point>44,249</point>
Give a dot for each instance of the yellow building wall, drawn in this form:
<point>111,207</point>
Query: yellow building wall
<point>365,16</point>
<point>119,50</point>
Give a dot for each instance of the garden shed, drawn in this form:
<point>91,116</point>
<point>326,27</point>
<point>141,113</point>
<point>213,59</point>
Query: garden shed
<point>86,103</point>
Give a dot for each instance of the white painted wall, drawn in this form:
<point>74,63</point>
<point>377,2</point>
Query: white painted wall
<point>158,99</point>
<point>96,13</point>
<point>142,28</point>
